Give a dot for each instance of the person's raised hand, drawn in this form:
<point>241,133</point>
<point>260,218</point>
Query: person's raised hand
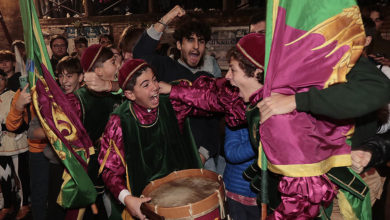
<point>23,99</point>
<point>176,11</point>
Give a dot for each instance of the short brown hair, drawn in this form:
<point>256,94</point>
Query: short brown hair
<point>129,38</point>
<point>189,25</point>
<point>70,64</point>
<point>7,55</point>
<point>248,67</point>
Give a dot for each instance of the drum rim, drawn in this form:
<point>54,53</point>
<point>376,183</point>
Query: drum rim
<point>198,208</point>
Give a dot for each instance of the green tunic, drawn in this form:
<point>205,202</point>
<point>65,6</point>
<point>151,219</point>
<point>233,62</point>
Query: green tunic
<point>153,151</point>
<point>96,109</point>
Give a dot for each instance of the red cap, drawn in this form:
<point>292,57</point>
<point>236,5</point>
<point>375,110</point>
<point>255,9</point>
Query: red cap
<point>128,69</point>
<point>90,56</point>
<point>252,46</point>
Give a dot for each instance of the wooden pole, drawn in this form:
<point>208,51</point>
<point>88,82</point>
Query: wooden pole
<point>5,29</point>
<point>38,6</point>
<point>263,211</point>
<point>151,6</point>
<point>228,5</point>
<point>88,8</point>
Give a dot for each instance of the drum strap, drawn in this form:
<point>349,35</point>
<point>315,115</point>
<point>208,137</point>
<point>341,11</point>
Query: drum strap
<point>221,204</point>
<point>125,214</point>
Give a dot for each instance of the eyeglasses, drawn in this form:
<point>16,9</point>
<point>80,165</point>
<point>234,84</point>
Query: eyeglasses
<point>59,45</point>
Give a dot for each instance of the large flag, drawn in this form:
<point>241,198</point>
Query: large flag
<point>308,44</point>
<point>62,126</point>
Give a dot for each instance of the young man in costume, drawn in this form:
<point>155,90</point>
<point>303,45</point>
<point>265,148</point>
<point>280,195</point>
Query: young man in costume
<point>251,91</point>
<point>94,109</point>
<point>70,76</point>
<point>191,35</point>
<point>145,138</point>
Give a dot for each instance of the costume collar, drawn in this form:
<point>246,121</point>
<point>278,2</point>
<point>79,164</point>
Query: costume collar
<point>145,116</point>
<point>256,97</point>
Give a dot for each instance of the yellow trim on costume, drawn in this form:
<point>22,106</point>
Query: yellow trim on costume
<point>179,80</point>
<point>259,157</point>
<point>345,208</point>
<point>112,144</point>
<point>81,213</point>
<point>104,160</point>
<point>305,170</point>
<point>361,193</point>
<point>135,117</point>
<point>125,214</point>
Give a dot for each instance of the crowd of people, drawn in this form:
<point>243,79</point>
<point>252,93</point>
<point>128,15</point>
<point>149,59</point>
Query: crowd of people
<point>148,115</point>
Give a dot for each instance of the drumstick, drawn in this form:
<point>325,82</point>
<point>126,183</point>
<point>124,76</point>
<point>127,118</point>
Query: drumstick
<point>150,214</point>
<point>94,209</point>
<point>263,211</point>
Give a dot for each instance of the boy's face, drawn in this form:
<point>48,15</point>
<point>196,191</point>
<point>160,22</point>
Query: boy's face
<point>146,90</point>
<point>7,66</point>
<point>69,82</point>
<point>127,56</point>
<point>192,50</point>
<point>117,56</point>
<point>3,82</point>
<point>108,70</point>
<point>375,16</point>
<point>80,48</point>
<point>239,79</point>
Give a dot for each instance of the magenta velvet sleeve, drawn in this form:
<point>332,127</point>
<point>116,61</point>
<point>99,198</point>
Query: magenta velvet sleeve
<point>209,94</point>
<point>114,171</point>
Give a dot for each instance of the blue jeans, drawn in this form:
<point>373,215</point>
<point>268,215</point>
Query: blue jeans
<point>39,179</point>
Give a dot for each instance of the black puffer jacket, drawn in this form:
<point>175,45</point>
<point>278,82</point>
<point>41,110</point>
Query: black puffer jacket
<point>379,145</point>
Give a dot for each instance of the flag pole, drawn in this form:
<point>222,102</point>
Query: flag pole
<point>5,29</point>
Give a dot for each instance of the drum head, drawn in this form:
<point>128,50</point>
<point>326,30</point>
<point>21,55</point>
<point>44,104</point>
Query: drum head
<point>186,193</point>
<point>183,191</point>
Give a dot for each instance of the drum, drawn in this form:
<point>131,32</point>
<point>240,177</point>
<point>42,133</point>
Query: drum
<point>187,194</point>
